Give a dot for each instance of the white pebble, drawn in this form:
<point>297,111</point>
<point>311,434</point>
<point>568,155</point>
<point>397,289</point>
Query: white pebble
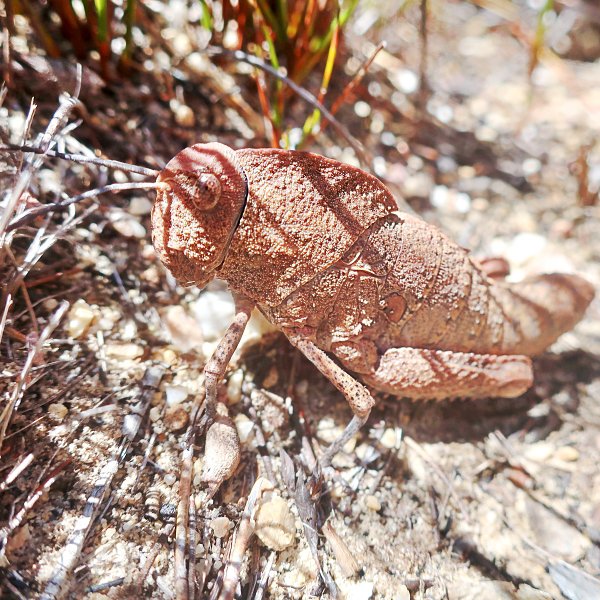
<point>80,318</point>
<point>57,411</point>
<point>220,526</point>
<point>127,225</point>
<point>123,351</point>
<point>140,206</point>
<point>245,428</point>
<point>175,394</point>
<point>155,413</point>
<point>214,311</point>
<point>234,386</point>
<point>389,439</point>
<point>372,503</point>
<point>362,590</point>
<point>275,525</point>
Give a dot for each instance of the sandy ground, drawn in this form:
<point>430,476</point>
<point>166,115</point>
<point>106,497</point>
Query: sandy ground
<point>494,499</point>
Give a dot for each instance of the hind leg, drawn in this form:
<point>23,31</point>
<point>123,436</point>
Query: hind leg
<point>422,374</point>
<point>357,395</point>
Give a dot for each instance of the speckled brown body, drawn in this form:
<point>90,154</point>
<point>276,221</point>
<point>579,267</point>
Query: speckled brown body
<point>324,253</point>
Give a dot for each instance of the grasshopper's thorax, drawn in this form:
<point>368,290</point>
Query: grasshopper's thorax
<point>302,214</point>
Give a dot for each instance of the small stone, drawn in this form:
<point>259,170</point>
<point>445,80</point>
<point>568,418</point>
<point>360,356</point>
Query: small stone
<point>50,304</point>
<point>184,116</point>
<point>123,351</point>
<point>328,431</point>
<point>176,418</point>
<point>57,411</point>
<point>372,503</point>
<point>213,310</point>
<point>389,439</point>
<point>418,185</point>
<point>127,225</point>
<point>155,412</point>
<point>80,317</point>
<point>234,386</point>
<point>567,454</point>
<point>220,526</point>
<point>169,356</point>
<point>362,590</point>
<point>539,452</point>
<point>175,394</point>
<point>185,331</point>
<point>140,206</point>
<point>275,525</point>
<point>271,378</point>
<point>245,428</point>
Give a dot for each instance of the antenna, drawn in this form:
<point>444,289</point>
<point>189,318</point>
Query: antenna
<point>81,158</point>
<point>31,214</point>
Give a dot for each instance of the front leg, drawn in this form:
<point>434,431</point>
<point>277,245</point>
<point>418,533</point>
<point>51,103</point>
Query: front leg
<point>360,399</point>
<point>215,368</point>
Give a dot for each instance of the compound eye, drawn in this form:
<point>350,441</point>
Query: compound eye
<point>207,191</point>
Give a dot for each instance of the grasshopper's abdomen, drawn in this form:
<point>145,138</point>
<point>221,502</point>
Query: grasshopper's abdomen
<point>405,284</point>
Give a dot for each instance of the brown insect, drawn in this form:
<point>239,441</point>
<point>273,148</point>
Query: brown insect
<point>363,290</point>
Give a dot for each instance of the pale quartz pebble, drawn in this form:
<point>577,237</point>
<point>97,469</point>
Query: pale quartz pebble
<point>539,451</point>
<point>328,431</point>
<point>155,413</point>
<point>567,454</point>
<point>525,246</point>
<point>362,590</point>
<point>213,311</point>
<point>151,275</point>
<point>169,356</point>
<point>372,503</point>
<point>140,206</point>
<point>221,451</point>
<point>275,524</point>
<point>80,317</point>
<point>256,328</point>
<point>127,225</point>
<point>170,478</point>
<point>220,526</point>
<point>234,386</point>
<point>57,411</point>
<point>109,316</point>
<point>389,439</point>
<point>123,351</point>
<point>50,304</point>
<point>244,427</point>
<point>418,185</point>
<point>184,115</point>
<point>364,451</point>
<point>175,394</point>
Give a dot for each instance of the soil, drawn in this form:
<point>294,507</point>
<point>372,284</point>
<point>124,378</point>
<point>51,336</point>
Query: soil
<point>448,500</point>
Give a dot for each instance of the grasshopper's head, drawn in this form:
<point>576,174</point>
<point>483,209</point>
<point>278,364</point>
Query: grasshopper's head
<point>197,210</point>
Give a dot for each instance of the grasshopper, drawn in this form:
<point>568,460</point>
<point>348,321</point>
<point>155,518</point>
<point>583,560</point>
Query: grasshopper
<point>366,292</point>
